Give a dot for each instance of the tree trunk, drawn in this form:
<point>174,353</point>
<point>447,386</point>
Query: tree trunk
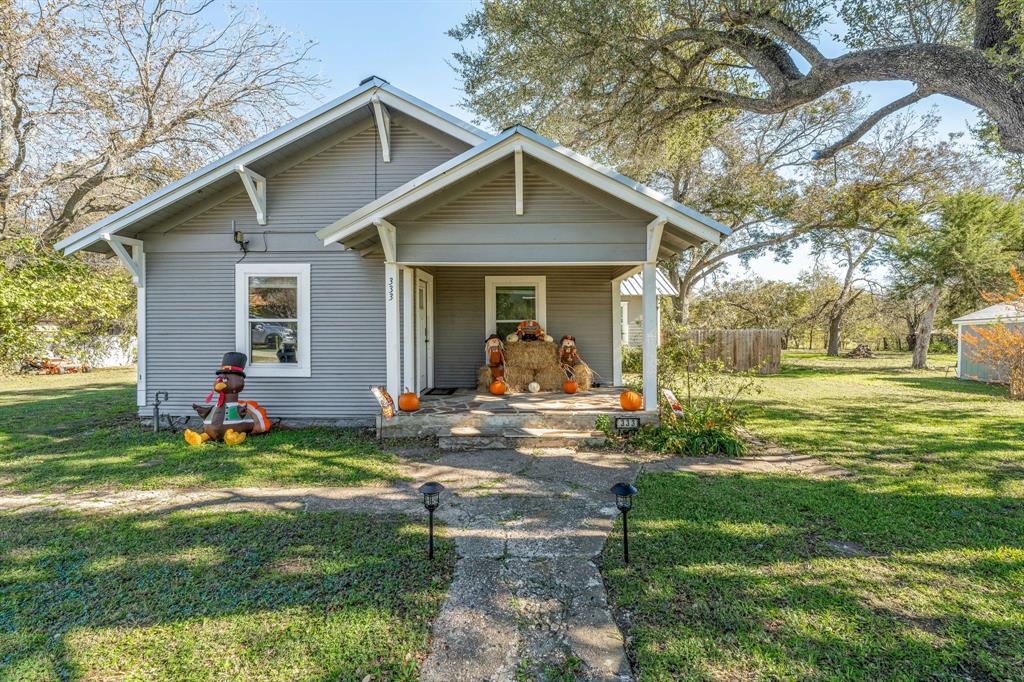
<point>923,334</point>
<point>835,325</point>
<point>1017,382</point>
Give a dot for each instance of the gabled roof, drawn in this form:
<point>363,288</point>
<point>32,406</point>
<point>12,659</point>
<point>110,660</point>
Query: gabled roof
<point>634,286</point>
<point>301,127</point>
<point>1000,312</point>
<point>538,146</point>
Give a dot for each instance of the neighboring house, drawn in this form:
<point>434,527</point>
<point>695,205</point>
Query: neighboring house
<point>379,240</point>
<point>969,364</point>
<point>632,301</point>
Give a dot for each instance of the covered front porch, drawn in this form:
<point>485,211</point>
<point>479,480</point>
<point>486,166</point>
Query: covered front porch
<point>517,228</point>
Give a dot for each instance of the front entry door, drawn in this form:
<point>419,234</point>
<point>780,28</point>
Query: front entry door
<point>424,331</point>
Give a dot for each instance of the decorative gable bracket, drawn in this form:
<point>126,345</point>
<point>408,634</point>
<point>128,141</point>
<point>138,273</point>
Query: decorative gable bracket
<point>256,187</point>
<point>383,120</point>
<point>135,261</point>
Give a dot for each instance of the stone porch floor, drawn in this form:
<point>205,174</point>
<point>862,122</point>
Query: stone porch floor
<point>596,401</point>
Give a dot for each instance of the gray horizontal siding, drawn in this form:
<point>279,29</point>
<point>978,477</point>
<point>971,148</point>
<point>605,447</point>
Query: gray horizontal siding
<point>190,324</point>
<point>563,220</point>
<point>578,303</point>
<point>973,365</point>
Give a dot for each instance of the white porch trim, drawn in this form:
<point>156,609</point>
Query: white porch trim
<point>256,187</point>
<point>388,234</point>
<point>650,336</point>
<point>392,355</point>
<point>136,263</point>
<point>428,279</point>
<point>408,329</point>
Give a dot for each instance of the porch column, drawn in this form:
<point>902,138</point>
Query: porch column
<point>408,330</point>
<point>650,337</point>
<point>616,332</point>
<point>392,357</point>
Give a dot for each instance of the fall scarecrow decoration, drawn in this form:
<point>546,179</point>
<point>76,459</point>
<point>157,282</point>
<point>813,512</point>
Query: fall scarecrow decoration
<point>530,330</point>
<point>225,417</point>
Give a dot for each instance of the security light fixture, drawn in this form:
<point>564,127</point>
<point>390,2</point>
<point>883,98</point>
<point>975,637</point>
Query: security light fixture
<point>431,492</point>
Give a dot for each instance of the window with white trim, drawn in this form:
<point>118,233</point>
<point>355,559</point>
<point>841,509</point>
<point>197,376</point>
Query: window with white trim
<point>513,299</point>
<point>272,318</point>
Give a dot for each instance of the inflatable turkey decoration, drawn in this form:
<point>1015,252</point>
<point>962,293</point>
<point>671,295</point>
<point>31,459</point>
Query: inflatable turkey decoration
<point>225,417</point>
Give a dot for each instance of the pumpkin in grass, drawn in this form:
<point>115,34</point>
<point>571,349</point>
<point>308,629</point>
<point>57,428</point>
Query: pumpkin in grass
<point>570,386</point>
<point>497,387</point>
<point>631,401</point>
<point>408,402</point>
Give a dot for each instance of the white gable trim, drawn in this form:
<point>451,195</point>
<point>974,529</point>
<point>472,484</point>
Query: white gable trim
<point>499,147</point>
<point>283,136</point>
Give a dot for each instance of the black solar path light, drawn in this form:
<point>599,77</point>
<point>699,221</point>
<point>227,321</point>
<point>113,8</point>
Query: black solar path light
<point>624,493</point>
<point>431,501</point>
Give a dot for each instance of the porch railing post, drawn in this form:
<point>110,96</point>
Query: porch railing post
<point>650,337</point>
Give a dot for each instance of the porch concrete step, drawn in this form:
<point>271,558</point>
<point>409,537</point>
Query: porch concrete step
<point>472,438</point>
<point>439,425</point>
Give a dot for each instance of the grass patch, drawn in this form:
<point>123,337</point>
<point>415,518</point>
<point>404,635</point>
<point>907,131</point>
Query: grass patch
<point>200,596</point>
<point>914,569</point>
<point>79,431</point>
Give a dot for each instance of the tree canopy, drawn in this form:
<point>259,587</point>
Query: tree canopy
<point>627,67</point>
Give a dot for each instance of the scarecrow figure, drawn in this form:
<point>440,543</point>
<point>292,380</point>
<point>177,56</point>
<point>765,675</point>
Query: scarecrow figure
<point>227,418</point>
<point>568,356</point>
<point>530,330</point>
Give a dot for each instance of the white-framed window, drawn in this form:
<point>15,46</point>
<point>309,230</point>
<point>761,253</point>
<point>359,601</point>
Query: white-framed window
<point>272,318</point>
<point>512,299</point>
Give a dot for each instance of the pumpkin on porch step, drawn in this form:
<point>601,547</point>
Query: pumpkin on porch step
<point>408,402</point>
<point>570,386</point>
<point>631,401</point>
<point>497,387</point>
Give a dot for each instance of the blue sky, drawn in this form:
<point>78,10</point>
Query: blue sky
<point>404,42</point>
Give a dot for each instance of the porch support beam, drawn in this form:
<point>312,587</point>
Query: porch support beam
<point>136,262</point>
<point>256,187</point>
<point>617,339</point>
<point>655,228</point>
<point>408,329</point>
<point>383,120</point>
<point>519,179</point>
<point>388,239</point>
<point>392,359</point>
<point>650,336</point>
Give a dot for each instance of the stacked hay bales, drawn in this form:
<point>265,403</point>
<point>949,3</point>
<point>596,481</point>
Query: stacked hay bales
<point>528,361</point>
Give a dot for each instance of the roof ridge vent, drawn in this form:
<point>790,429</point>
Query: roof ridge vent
<point>371,77</point>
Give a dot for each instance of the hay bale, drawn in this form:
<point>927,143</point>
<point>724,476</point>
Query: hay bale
<point>531,354</point>
<point>483,378</point>
<point>584,376</point>
<point>551,378</point>
<point>518,378</point>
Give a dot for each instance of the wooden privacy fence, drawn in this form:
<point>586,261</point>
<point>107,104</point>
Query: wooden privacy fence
<point>742,349</point>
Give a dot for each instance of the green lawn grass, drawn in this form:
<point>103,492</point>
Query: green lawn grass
<point>911,569</point>
<point>79,431</point>
<point>216,596</point>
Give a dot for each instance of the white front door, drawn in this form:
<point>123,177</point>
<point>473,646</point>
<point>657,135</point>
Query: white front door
<point>424,331</point>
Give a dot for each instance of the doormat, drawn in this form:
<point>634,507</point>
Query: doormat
<point>441,391</point>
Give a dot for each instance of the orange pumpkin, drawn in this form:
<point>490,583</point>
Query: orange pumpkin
<point>408,402</point>
<point>570,386</point>
<point>497,387</point>
<point>631,401</point>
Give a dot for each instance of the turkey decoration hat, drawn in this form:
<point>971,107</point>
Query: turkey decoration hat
<point>233,363</point>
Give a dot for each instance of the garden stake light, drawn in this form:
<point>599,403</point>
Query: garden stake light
<point>624,493</point>
<point>431,500</point>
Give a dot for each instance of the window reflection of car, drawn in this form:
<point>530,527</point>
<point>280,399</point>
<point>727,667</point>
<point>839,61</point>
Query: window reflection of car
<point>271,334</point>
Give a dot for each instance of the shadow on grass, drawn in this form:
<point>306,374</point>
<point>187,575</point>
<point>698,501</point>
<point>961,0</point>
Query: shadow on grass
<point>89,436</point>
<point>221,595</point>
<point>782,577</point>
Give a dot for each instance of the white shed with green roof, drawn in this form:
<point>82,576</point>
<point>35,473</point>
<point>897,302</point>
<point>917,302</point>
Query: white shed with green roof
<point>969,363</point>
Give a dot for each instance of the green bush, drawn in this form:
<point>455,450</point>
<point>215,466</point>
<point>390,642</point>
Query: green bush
<point>632,360</point>
<point>703,431</point>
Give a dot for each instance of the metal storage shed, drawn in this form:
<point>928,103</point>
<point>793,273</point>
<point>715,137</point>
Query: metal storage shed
<point>971,367</point>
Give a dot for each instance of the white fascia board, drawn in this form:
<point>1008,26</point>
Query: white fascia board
<point>498,147</point>
<point>383,120</point>
<point>272,141</point>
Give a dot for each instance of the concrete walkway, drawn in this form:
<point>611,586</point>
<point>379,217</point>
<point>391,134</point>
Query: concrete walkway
<point>527,596</point>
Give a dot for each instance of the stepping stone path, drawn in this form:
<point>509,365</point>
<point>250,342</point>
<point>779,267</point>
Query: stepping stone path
<point>527,597</point>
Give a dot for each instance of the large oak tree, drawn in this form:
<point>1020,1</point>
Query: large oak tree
<point>629,66</point>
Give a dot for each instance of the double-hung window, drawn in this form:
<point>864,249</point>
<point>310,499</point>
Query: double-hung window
<point>272,318</point>
<point>513,299</point>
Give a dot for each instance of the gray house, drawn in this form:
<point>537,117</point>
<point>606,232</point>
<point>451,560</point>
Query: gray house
<point>378,240</point>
